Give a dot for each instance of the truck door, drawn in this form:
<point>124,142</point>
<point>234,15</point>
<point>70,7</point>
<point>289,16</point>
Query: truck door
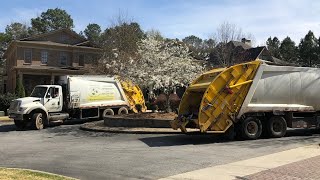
<point>53,99</point>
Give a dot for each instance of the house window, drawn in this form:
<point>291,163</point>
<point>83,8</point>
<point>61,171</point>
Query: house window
<point>63,58</point>
<point>44,57</point>
<point>27,56</point>
<point>81,60</point>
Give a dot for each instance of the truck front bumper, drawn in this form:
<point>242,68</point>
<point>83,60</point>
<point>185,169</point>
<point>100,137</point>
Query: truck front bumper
<point>16,116</point>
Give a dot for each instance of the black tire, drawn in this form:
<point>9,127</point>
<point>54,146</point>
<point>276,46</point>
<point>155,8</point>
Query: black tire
<point>123,110</point>
<point>107,112</point>
<point>276,127</point>
<point>37,121</point>
<point>251,128</point>
<point>21,125</point>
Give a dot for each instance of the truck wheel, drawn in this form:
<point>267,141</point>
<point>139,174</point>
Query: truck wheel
<point>123,110</point>
<point>37,121</point>
<point>107,112</point>
<point>251,128</point>
<point>21,125</point>
<point>277,127</point>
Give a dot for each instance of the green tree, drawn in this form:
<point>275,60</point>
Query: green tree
<point>273,45</point>
<point>122,38</point>
<point>155,33</point>
<point>20,92</point>
<point>193,41</point>
<point>209,43</point>
<point>93,33</point>
<point>288,50</point>
<point>308,50</point>
<point>52,19</point>
<point>17,31</point>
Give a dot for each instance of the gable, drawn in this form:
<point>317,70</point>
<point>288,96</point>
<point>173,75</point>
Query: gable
<point>60,36</point>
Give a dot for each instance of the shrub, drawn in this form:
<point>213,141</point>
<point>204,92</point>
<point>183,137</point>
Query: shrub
<point>5,100</point>
<point>161,102</point>
<point>20,92</point>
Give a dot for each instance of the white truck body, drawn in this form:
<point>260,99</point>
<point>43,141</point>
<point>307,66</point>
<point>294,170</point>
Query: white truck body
<point>78,97</point>
<point>283,88</point>
<point>94,91</point>
<point>251,99</point>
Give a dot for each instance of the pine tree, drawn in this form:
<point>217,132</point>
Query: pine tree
<point>308,50</point>
<point>273,45</point>
<point>20,92</point>
<point>289,51</point>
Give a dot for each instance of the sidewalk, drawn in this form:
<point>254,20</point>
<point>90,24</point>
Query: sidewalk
<point>305,169</point>
<point>299,163</point>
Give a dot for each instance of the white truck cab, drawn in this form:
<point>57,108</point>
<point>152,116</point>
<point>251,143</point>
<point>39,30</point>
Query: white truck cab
<point>35,109</point>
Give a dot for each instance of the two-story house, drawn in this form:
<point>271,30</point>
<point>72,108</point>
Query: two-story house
<point>43,58</point>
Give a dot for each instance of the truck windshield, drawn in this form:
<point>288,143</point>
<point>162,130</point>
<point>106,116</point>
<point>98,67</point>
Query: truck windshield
<point>39,92</point>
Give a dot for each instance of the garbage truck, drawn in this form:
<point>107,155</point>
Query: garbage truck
<point>79,97</point>
<point>251,99</point>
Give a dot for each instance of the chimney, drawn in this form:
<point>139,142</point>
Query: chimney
<point>246,41</point>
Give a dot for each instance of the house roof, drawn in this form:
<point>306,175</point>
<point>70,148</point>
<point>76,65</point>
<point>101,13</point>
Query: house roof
<point>250,54</point>
<point>238,43</point>
<point>68,31</point>
<point>50,43</point>
<point>282,62</point>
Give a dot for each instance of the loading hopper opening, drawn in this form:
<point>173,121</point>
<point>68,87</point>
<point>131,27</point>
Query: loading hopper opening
<point>212,100</point>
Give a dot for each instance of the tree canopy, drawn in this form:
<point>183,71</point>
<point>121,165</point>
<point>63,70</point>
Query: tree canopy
<point>93,33</point>
<point>288,50</point>
<point>308,50</point>
<point>273,45</point>
<point>52,19</point>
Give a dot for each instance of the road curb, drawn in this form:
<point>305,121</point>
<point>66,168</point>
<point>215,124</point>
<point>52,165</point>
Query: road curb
<point>5,119</point>
<point>115,121</point>
<point>99,126</point>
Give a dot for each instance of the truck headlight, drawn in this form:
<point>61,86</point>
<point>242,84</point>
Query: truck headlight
<point>22,109</point>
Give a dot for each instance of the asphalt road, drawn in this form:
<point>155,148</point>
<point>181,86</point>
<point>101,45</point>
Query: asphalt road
<point>72,152</point>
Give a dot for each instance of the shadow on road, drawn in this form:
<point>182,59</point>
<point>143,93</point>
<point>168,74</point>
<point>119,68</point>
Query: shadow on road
<point>179,140</point>
<point>293,136</point>
<point>7,127</point>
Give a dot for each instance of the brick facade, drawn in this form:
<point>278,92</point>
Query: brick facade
<point>52,54</point>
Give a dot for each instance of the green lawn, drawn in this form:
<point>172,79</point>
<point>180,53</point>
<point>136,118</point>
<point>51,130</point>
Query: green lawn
<point>21,174</point>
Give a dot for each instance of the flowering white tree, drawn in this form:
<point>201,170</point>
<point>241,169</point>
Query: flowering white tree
<point>160,64</point>
<point>165,64</point>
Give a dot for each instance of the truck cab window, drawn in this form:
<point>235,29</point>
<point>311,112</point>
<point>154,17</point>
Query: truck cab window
<point>55,92</point>
<point>39,92</point>
<point>49,93</point>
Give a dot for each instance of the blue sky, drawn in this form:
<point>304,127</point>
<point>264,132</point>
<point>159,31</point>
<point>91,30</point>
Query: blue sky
<point>180,18</point>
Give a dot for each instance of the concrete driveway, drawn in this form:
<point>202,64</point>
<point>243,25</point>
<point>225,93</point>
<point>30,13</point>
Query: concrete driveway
<point>72,152</point>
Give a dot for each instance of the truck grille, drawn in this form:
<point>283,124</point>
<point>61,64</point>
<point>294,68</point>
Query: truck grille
<point>14,106</point>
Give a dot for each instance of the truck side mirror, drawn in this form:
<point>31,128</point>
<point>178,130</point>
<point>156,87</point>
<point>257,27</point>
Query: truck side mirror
<point>48,95</point>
